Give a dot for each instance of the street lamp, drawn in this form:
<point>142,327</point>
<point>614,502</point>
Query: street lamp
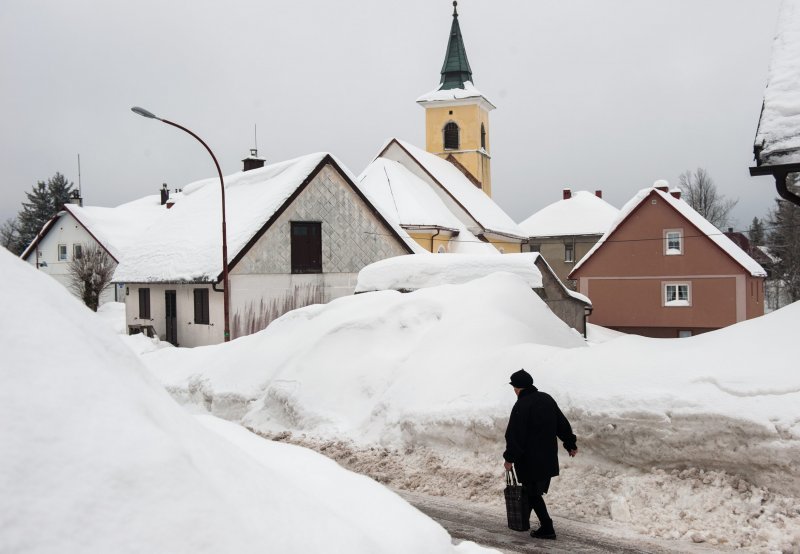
<point>225,292</point>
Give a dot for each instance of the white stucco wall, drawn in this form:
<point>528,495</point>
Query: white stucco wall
<point>68,231</point>
<point>188,333</point>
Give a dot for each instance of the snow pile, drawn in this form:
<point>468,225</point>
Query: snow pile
<point>412,272</point>
<point>581,214</point>
<point>778,137</point>
<point>373,367</point>
<point>97,457</point>
<point>113,315</point>
<point>703,226</point>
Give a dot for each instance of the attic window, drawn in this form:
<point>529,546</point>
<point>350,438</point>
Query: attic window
<point>306,247</point>
<point>451,136</point>
<point>673,242</point>
<point>62,252</point>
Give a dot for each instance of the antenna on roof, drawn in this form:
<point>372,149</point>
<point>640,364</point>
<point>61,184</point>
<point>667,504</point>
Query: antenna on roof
<point>80,191</point>
<point>255,136</point>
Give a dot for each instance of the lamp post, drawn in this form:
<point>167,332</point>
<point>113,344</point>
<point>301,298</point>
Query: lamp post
<point>225,292</point>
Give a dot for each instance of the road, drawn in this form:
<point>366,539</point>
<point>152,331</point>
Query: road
<point>488,528</point>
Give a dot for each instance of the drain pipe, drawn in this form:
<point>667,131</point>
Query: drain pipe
<point>433,237</point>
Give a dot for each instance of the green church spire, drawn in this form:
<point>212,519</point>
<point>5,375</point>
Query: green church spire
<point>456,70</point>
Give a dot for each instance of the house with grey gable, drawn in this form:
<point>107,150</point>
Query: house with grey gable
<point>298,233</point>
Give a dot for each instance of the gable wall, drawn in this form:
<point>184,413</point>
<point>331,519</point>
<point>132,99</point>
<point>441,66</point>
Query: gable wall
<point>66,230</point>
<point>625,278</point>
<point>262,285</point>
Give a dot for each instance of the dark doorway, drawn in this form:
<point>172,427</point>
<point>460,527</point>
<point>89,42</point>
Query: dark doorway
<point>171,309</point>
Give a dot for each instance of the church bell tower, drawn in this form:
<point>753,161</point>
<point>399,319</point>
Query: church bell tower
<point>457,115</point>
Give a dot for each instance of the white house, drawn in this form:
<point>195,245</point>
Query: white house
<point>74,228</point>
<point>298,233</point>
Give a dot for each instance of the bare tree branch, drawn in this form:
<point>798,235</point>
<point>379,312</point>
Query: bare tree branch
<point>700,192</point>
<point>90,274</point>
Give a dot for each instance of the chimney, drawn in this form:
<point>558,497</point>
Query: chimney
<point>598,193</point>
<point>75,198</point>
<point>661,185</point>
<point>676,193</point>
<point>253,161</point>
<point>164,194</point>
<point>567,194</point>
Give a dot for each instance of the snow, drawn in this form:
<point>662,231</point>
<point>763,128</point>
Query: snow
<point>448,95</point>
<point>478,205</point>
<point>412,272</point>
<point>98,458</point>
<point>412,389</point>
<point>778,134</point>
<point>113,315</point>
<point>119,228</point>
<point>582,214</point>
<point>411,203</point>
<point>704,227</point>
<point>405,197</point>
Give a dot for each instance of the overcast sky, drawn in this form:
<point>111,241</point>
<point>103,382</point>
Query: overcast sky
<point>590,94</point>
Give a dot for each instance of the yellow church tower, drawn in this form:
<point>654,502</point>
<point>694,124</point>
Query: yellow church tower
<point>457,115</point>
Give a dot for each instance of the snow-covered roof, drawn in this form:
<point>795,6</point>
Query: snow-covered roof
<point>451,94</point>
<point>115,229</point>
<point>405,196</point>
<point>476,203</point>
<point>412,272</point>
<point>702,224</point>
<point>581,214</point>
<point>778,137</point>
<point>187,245</point>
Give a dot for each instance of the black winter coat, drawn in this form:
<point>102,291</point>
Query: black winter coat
<point>531,446</point>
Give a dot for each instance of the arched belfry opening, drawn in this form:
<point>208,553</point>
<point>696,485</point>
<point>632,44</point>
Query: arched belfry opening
<point>451,136</point>
<point>483,136</point>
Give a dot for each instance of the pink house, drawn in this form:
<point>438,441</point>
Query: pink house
<point>662,270</point>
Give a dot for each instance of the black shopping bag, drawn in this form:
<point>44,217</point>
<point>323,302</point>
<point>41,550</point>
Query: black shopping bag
<point>517,508</point>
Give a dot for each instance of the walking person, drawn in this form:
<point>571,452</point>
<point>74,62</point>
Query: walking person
<point>531,445</point>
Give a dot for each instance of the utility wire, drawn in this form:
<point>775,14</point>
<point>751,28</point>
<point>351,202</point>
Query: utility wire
<point>616,240</point>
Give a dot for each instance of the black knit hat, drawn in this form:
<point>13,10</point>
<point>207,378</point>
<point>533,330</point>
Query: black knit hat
<point>521,379</point>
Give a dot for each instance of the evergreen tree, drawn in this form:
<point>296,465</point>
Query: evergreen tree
<point>784,243</point>
<point>44,201</point>
<point>756,232</point>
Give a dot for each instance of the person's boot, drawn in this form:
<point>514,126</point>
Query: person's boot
<point>546,531</point>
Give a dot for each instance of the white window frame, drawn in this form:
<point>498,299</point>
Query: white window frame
<point>678,302</point>
<point>669,251</point>
<point>77,247</point>
<point>62,248</point>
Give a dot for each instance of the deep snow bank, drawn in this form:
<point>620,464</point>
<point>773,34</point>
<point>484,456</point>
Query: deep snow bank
<point>374,366</point>
<point>97,458</point>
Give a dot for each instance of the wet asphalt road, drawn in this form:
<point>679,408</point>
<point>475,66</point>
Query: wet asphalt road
<point>488,528</point>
